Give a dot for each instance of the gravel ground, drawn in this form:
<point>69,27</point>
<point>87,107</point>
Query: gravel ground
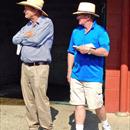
<point>12,117</point>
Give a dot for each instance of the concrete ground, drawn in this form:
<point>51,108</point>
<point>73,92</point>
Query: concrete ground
<point>12,117</point>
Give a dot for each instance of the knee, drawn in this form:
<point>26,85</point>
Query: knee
<point>80,108</point>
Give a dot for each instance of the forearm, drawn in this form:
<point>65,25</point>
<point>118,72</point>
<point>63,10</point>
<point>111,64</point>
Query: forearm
<point>18,38</point>
<point>39,36</point>
<point>36,40</point>
<point>99,52</point>
<point>70,61</point>
<point>70,66</point>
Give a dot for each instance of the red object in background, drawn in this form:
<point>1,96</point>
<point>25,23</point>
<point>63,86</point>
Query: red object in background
<point>117,83</point>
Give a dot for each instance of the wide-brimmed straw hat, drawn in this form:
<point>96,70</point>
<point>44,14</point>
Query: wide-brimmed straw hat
<point>37,4</point>
<point>86,8</point>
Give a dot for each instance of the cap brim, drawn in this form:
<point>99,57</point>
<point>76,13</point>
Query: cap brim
<point>84,12</point>
<point>29,4</point>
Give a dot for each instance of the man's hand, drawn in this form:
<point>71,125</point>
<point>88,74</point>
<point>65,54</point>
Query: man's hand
<point>83,49</point>
<point>29,34</point>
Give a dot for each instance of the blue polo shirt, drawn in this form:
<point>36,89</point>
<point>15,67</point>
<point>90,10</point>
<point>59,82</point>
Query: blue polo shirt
<point>88,68</point>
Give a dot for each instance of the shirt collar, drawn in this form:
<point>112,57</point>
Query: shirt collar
<point>94,23</point>
<point>38,21</point>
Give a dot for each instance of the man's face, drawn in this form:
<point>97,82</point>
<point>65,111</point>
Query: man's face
<point>82,18</point>
<point>29,12</point>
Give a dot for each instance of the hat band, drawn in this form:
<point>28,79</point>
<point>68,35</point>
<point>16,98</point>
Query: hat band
<point>85,11</point>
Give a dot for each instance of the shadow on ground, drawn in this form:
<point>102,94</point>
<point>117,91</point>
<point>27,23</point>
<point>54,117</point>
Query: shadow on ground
<point>91,121</point>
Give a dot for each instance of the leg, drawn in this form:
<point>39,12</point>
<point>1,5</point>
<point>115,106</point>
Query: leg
<point>101,113</point>
<point>40,84</point>
<point>80,114</point>
<point>94,98</point>
<point>31,112</point>
<point>77,98</point>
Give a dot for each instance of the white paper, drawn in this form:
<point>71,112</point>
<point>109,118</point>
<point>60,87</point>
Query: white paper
<point>75,46</point>
<point>19,47</point>
<point>90,45</point>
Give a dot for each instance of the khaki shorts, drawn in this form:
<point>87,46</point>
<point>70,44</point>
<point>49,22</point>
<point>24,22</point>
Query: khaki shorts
<point>82,93</point>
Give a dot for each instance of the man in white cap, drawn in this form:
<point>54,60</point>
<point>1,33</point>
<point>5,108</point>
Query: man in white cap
<point>35,40</point>
<point>88,46</point>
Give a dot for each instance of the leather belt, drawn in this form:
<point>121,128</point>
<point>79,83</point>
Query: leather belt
<point>37,63</point>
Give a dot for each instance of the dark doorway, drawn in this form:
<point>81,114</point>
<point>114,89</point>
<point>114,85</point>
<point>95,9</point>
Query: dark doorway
<point>12,19</point>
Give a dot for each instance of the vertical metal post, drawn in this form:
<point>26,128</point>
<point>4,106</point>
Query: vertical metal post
<point>124,57</point>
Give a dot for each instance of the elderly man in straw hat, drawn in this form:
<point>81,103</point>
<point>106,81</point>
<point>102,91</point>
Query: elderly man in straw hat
<point>35,40</point>
<point>88,46</point>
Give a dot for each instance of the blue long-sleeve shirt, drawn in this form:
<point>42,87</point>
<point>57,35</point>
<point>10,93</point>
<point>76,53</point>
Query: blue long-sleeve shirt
<point>88,68</point>
<point>38,46</point>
